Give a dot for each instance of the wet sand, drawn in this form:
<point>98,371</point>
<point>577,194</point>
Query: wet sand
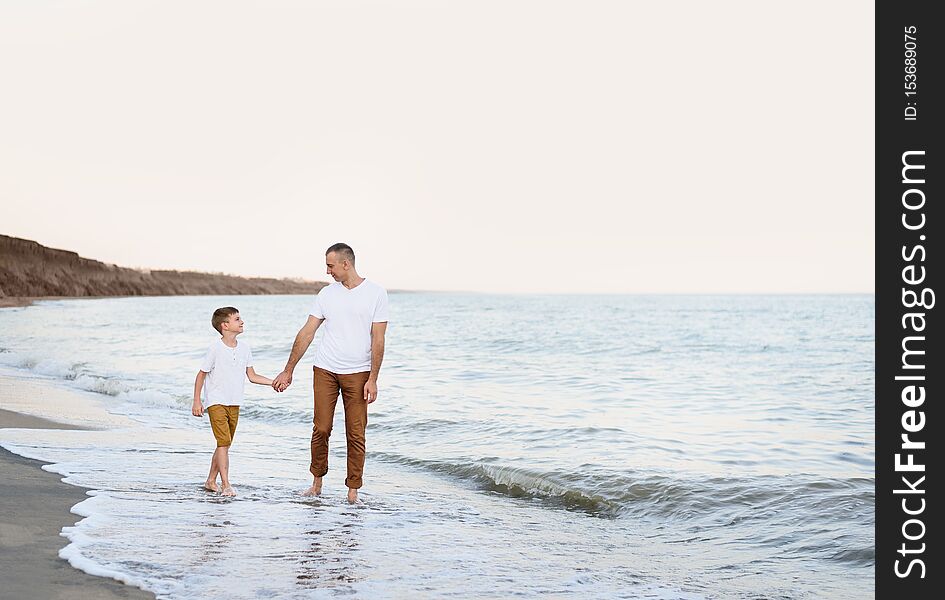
<point>34,507</point>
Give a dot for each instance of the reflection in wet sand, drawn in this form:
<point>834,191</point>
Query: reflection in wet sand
<point>333,556</point>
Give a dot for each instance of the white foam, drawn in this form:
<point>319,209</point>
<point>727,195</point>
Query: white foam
<point>65,376</point>
<point>26,453</point>
<point>54,368</point>
<point>44,399</point>
<point>73,554</point>
<point>37,364</point>
<point>101,385</point>
<point>151,398</point>
<point>15,359</point>
<point>91,518</point>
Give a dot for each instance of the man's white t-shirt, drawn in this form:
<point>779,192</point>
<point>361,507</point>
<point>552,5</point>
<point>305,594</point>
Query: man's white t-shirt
<point>346,345</point>
<point>226,369</point>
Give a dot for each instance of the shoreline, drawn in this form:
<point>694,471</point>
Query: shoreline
<point>34,507</point>
<point>22,301</point>
<point>15,301</point>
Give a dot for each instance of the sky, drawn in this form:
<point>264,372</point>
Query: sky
<point>513,146</point>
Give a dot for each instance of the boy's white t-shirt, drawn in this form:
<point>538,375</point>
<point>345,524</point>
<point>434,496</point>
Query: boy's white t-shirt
<point>226,373</point>
<point>346,345</point>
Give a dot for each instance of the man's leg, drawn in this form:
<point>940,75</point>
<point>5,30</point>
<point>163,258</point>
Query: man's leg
<point>356,408</point>
<point>325,388</point>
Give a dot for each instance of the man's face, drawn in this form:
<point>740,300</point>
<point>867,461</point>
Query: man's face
<point>233,323</point>
<point>336,267</point>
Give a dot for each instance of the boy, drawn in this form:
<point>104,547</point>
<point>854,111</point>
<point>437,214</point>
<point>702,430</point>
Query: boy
<point>222,376</point>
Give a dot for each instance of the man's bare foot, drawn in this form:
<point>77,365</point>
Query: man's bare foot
<point>352,495</point>
<point>228,491</point>
<point>211,486</point>
<point>316,489</point>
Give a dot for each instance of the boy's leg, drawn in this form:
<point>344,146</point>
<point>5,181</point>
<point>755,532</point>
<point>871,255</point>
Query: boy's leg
<point>356,416</point>
<point>325,388</point>
<point>223,460</point>
<point>220,423</point>
<point>211,483</point>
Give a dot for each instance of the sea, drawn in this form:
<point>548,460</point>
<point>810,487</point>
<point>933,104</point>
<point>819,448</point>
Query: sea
<point>639,446</point>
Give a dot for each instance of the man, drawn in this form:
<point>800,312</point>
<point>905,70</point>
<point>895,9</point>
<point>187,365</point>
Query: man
<point>348,359</point>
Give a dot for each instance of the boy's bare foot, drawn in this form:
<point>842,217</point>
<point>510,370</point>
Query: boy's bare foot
<point>352,495</point>
<point>211,486</point>
<point>316,489</point>
<point>228,491</point>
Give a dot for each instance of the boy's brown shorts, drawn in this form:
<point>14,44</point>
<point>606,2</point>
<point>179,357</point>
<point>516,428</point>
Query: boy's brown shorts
<point>223,422</point>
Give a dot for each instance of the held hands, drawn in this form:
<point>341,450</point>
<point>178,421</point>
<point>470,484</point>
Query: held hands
<point>197,409</point>
<point>370,391</point>
<point>282,381</point>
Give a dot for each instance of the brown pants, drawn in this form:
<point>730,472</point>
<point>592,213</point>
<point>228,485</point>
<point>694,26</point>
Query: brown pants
<point>327,385</point>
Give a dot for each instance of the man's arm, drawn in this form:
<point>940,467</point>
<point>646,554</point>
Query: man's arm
<point>302,341</point>
<point>197,409</point>
<point>378,331</point>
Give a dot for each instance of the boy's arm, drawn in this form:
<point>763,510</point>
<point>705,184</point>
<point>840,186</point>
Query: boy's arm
<point>302,341</point>
<point>256,378</point>
<point>197,409</point>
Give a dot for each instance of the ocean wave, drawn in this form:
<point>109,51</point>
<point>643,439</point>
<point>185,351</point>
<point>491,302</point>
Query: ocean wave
<point>713,501</point>
<point>77,374</point>
<point>515,482</point>
<point>275,413</point>
<point>154,398</point>
<point>101,385</point>
<point>135,396</point>
<point>42,366</point>
<point>863,557</point>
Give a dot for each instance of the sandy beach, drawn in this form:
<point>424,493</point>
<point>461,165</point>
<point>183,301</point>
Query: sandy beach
<point>15,301</point>
<point>34,507</point>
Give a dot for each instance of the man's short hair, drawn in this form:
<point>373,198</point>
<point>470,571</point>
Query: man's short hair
<point>343,251</point>
<point>220,316</point>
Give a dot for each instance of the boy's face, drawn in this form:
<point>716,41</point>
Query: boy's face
<point>233,323</point>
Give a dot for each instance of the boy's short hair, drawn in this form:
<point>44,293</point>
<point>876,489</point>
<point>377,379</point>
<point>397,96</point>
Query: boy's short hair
<point>220,316</point>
